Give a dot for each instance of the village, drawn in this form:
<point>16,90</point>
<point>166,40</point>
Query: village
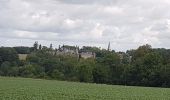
<point>85,52</point>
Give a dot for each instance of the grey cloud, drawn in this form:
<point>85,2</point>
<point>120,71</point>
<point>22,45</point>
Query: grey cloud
<point>126,23</point>
<point>89,1</point>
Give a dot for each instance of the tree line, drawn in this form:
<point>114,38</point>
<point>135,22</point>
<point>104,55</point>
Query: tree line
<point>144,66</point>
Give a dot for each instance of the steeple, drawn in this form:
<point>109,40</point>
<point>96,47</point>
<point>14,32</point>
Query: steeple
<point>108,46</point>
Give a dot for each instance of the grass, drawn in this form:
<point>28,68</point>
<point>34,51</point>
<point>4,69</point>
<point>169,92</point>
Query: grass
<point>37,89</point>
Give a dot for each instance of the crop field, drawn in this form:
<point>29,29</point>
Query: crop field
<point>37,89</point>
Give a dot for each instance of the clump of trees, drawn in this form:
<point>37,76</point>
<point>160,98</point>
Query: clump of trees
<point>144,66</point>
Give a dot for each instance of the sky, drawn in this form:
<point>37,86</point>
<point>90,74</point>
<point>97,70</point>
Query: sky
<point>127,24</point>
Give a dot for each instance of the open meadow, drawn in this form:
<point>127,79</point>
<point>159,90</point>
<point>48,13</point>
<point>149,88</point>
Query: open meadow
<point>37,89</point>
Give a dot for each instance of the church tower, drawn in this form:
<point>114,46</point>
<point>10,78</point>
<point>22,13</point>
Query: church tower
<point>109,47</point>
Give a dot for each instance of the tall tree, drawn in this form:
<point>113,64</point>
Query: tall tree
<point>35,46</point>
<point>51,46</point>
<point>40,47</point>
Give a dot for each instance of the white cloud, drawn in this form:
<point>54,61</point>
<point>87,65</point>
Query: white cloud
<point>97,32</point>
<point>113,10</point>
<point>126,23</point>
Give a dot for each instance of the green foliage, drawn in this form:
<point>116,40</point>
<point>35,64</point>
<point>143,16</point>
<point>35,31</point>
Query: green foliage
<point>8,54</point>
<point>101,74</point>
<point>57,74</point>
<point>27,71</point>
<point>5,66</point>
<point>141,51</point>
<point>85,70</point>
<point>144,66</point>
<point>153,58</point>
<point>7,69</point>
<point>35,46</point>
<point>23,50</point>
<point>165,75</point>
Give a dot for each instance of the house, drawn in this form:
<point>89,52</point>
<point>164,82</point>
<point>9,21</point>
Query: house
<point>86,55</point>
<point>22,56</point>
<point>74,51</point>
<point>67,50</point>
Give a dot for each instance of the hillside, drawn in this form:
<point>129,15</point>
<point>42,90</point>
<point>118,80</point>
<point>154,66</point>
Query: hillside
<point>37,89</point>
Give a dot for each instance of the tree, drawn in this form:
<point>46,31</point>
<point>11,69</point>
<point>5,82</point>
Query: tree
<point>101,74</point>
<point>14,71</point>
<point>8,54</point>
<point>141,52</point>
<point>57,75</point>
<point>165,75</point>
<point>85,70</point>
<point>148,67</point>
<point>40,47</point>
<point>5,67</point>
<point>23,50</point>
<point>51,46</point>
<point>27,71</point>
<point>35,46</point>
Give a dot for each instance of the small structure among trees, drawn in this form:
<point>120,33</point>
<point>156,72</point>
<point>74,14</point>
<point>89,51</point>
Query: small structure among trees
<point>74,51</point>
<point>86,55</point>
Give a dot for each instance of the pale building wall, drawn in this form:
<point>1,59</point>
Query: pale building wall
<point>22,56</point>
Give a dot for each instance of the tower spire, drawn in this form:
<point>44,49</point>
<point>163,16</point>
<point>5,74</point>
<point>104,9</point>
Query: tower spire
<point>108,46</point>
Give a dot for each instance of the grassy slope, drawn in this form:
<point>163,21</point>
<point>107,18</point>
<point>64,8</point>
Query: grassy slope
<point>35,89</point>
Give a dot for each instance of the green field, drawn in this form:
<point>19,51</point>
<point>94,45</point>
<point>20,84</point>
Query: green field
<point>36,89</point>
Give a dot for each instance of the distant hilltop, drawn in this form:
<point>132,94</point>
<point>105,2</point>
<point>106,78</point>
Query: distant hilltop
<point>66,50</point>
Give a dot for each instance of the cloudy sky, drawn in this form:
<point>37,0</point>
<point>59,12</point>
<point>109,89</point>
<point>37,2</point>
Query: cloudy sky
<point>125,23</point>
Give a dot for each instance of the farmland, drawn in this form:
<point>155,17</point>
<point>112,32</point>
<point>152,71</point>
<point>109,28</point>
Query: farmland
<point>37,89</point>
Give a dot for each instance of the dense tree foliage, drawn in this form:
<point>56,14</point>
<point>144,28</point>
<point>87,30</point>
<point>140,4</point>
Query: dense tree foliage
<point>8,54</point>
<point>23,50</point>
<point>144,66</point>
